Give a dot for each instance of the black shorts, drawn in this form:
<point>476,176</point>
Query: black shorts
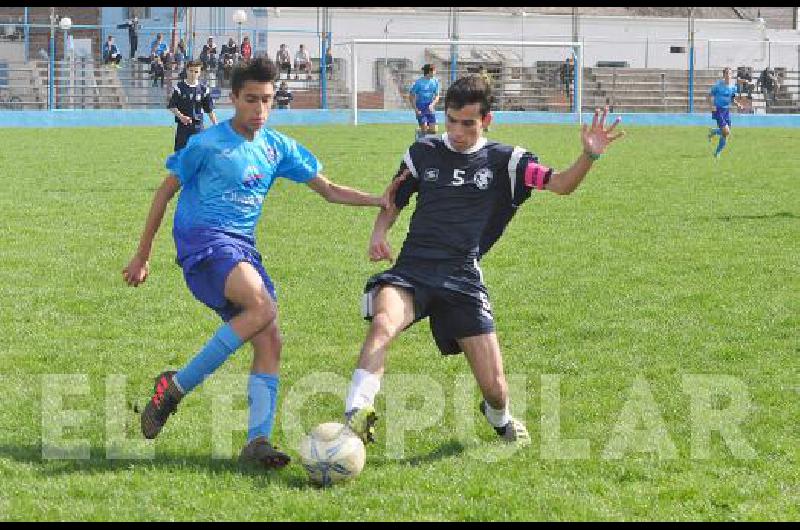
<point>457,303</point>
<point>183,133</point>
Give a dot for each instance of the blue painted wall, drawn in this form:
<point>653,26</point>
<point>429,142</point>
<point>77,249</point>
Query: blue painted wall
<point>158,117</point>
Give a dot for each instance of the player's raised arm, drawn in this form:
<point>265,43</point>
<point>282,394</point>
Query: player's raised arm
<point>139,266</point>
<point>595,140</point>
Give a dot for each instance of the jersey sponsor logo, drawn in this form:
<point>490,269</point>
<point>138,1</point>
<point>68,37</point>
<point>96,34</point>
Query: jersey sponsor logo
<point>251,177</point>
<point>483,178</point>
<point>431,174</point>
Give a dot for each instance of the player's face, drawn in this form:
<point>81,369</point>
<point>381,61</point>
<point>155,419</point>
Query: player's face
<point>252,104</point>
<point>465,125</point>
<point>192,74</point>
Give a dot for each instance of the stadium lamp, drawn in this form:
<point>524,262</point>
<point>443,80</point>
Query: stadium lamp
<point>65,23</point>
<point>240,17</point>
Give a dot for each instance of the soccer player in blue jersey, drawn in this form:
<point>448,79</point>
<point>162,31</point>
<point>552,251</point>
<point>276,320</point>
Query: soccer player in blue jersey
<point>224,174</point>
<point>468,189</point>
<point>188,101</point>
<point>424,95</point>
<point>723,92</point>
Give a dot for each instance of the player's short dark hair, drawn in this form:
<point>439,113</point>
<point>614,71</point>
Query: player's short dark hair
<point>467,90</point>
<point>428,68</point>
<point>261,69</point>
<point>194,63</point>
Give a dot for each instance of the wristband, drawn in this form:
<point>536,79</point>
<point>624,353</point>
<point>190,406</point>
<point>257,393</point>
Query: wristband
<point>592,155</point>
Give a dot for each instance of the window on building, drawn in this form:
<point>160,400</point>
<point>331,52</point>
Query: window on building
<point>141,12</point>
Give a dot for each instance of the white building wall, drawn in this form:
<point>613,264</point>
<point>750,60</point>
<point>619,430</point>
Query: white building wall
<point>641,41</point>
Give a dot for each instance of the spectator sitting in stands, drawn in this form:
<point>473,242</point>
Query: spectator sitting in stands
<point>247,49</point>
<point>284,61</point>
<point>228,57</point>
<point>745,81</point>
<point>159,47</point>
<point>302,61</point>
<point>111,52</point>
<point>157,70</point>
<point>208,56</point>
<point>283,97</point>
<point>769,84</point>
<point>180,55</point>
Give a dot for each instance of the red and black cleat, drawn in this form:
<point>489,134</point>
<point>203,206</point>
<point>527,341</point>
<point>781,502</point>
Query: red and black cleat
<point>164,402</point>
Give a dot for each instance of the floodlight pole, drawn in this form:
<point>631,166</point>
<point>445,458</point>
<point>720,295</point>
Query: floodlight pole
<point>51,87</point>
<point>691,59</point>
<point>354,76</point>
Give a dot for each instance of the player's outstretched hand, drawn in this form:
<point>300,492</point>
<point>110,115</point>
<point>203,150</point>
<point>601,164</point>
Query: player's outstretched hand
<point>379,249</point>
<point>136,272</point>
<point>597,138</point>
<point>387,201</point>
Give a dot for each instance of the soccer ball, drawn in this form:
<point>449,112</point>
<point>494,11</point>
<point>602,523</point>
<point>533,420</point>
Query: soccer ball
<point>331,453</point>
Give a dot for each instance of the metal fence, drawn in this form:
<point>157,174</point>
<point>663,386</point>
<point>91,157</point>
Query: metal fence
<point>521,81</point>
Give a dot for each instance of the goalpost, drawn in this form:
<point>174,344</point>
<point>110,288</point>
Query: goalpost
<point>575,47</point>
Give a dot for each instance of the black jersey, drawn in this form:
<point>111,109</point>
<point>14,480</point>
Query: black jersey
<point>191,101</point>
<point>465,200</point>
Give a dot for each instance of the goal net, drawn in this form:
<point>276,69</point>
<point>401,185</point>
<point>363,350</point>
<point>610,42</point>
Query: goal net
<point>525,75</point>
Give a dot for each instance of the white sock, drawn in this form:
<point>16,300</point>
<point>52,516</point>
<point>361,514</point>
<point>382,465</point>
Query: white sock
<point>497,418</point>
<point>363,388</point>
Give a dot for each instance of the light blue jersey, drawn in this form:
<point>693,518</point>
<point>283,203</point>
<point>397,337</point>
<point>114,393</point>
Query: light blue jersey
<point>723,93</point>
<point>425,90</point>
<point>224,180</point>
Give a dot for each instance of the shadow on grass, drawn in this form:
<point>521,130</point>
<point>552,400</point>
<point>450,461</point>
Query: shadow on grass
<point>447,450</point>
<point>779,215</point>
<point>292,476</point>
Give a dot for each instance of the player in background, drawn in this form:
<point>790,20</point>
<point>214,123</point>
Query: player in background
<point>224,174</point>
<point>423,96</point>
<point>722,93</point>
<point>190,98</point>
<point>468,190</point>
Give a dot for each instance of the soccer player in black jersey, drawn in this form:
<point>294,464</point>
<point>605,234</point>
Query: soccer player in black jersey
<point>468,190</point>
<point>188,101</point>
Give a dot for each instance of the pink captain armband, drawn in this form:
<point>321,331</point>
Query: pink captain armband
<point>537,175</point>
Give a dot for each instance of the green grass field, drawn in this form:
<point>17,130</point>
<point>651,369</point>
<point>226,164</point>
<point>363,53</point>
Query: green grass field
<point>652,314</point>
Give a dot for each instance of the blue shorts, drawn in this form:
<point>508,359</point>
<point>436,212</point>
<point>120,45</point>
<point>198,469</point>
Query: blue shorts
<point>426,117</point>
<point>723,117</point>
<point>456,302</point>
<point>205,276</point>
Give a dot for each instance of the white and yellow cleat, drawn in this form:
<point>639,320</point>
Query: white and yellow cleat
<point>362,423</point>
<point>513,432</point>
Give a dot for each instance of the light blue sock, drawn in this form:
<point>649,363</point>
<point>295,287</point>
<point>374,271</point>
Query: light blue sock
<point>216,351</point>
<point>262,398</point>
<point>722,142</point>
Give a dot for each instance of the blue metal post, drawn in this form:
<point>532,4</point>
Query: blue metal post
<point>576,70</point>
<point>27,37</point>
<point>691,78</point>
<point>691,60</point>
<point>323,71</point>
<point>52,84</point>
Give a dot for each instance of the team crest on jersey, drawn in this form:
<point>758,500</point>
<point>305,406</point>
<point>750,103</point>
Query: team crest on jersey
<point>483,178</point>
<point>431,174</point>
<point>251,177</point>
<point>270,153</point>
